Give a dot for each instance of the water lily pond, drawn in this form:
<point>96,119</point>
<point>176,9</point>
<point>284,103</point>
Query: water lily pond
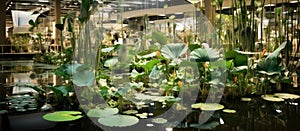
<point>256,114</point>
<point>182,67</point>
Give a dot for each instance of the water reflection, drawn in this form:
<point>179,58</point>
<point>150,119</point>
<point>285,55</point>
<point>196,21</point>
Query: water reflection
<point>17,73</point>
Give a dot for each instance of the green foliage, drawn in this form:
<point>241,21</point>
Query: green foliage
<point>174,51</point>
<point>272,63</point>
<point>204,55</point>
<point>237,58</point>
<point>83,78</point>
<point>192,47</point>
<point>33,24</point>
<point>58,90</point>
<point>159,37</point>
<point>110,63</point>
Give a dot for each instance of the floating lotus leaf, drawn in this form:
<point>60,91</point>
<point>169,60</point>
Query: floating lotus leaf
<point>208,106</point>
<point>271,98</point>
<point>246,99</point>
<point>118,121</point>
<point>102,112</point>
<point>229,111</point>
<point>159,120</point>
<point>143,115</point>
<point>286,96</point>
<point>130,112</point>
<point>61,116</point>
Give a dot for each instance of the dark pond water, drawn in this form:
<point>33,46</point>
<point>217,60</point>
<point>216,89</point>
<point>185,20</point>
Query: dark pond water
<point>254,115</point>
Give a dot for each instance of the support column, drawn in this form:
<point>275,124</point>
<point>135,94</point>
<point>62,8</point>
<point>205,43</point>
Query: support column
<point>2,22</point>
<point>57,20</point>
<point>208,10</point>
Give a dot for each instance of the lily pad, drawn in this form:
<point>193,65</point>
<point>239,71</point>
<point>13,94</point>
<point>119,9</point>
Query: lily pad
<point>287,96</point>
<point>102,112</point>
<point>130,112</point>
<point>208,106</point>
<point>229,111</point>
<point>272,98</point>
<point>118,121</point>
<point>61,116</point>
<point>142,116</point>
<point>159,120</point>
<point>245,99</point>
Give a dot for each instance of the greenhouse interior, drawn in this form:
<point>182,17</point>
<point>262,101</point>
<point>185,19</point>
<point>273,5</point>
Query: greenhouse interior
<point>154,65</point>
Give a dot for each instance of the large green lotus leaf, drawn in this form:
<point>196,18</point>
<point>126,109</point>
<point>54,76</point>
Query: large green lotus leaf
<point>58,89</point>
<point>102,112</point>
<point>208,106</point>
<point>272,63</point>
<point>270,66</point>
<point>118,121</point>
<point>220,64</point>
<point>154,72</point>
<point>83,78</point>
<point>240,60</point>
<point>150,64</point>
<point>239,69</point>
<point>147,55</point>
<point>159,37</point>
<point>287,96</point>
<point>275,54</point>
<point>230,54</point>
<point>229,64</point>
<point>205,55</point>
<point>272,98</point>
<point>36,88</point>
<point>71,69</point>
<point>174,51</point>
<point>61,116</point>
<point>111,62</point>
<point>193,46</point>
<point>106,50</point>
<point>135,74</point>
